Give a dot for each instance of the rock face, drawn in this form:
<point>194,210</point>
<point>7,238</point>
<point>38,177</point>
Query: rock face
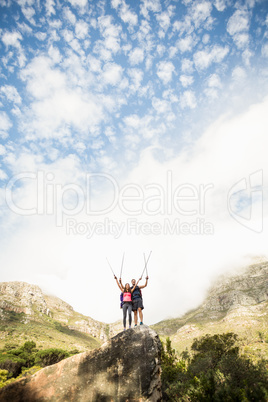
<point>248,288</point>
<point>33,305</point>
<point>127,368</point>
<point>242,294</point>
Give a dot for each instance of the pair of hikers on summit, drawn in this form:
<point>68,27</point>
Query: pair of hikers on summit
<point>132,301</point>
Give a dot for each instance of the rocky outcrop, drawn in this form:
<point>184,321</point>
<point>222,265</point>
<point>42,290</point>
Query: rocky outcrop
<point>243,293</point>
<point>21,297</point>
<point>247,288</point>
<point>127,368</point>
<point>33,305</point>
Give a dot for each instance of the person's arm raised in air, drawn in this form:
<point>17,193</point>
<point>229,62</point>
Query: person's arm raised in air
<point>132,290</point>
<point>119,284</point>
<point>144,286</point>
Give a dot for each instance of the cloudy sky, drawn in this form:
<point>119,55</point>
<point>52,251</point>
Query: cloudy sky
<point>128,127</point>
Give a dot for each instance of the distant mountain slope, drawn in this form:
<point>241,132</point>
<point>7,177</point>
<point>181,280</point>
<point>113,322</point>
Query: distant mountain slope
<point>27,313</point>
<point>235,303</point>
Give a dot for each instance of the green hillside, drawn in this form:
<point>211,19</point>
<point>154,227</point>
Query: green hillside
<point>46,333</point>
<point>237,303</point>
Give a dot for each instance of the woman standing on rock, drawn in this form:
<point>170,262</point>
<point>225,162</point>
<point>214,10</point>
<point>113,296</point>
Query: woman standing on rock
<point>127,301</point>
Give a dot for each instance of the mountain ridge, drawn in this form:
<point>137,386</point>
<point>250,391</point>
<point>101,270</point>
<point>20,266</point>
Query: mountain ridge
<point>26,309</point>
<point>236,302</point>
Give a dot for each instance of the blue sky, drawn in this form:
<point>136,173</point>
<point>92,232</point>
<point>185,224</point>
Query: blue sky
<point>148,112</point>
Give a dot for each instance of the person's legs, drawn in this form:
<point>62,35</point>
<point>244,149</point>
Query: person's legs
<point>140,314</point>
<point>129,315</point>
<point>135,317</point>
<point>125,307</point>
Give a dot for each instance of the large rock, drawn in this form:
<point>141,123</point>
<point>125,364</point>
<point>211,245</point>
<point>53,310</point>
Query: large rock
<point>127,368</point>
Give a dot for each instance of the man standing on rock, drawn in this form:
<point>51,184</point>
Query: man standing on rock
<point>137,304</point>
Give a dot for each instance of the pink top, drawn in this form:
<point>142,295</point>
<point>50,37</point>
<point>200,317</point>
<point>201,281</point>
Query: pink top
<point>127,297</point>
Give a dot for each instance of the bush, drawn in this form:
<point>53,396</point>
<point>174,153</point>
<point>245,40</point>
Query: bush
<point>50,356</point>
<point>12,364</point>
<point>215,371</point>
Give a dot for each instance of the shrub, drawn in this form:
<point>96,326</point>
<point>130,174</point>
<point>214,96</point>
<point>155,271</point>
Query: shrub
<point>50,356</point>
<point>214,372</point>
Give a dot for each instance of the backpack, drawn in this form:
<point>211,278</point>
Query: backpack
<point>121,300</point>
<point>139,291</point>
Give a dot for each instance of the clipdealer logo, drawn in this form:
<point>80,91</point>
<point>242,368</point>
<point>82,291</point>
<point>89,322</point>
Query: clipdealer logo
<point>68,202</point>
<point>245,202</point>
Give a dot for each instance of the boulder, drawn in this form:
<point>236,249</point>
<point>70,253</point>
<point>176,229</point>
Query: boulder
<point>126,368</point>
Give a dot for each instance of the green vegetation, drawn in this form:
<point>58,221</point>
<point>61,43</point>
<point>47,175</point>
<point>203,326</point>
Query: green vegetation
<point>45,330</point>
<point>214,370</point>
<point>16,362</point>
<point>251,327</point>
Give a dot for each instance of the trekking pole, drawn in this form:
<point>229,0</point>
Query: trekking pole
<point>110,266</point>
<point>122,265</point>
<point>146,262</point>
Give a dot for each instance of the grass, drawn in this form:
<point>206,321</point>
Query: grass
<point>49,333</point>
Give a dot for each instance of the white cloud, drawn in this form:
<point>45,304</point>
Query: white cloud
<point>188,100</point>
<point>10,93</point>
<point>79,3</point>
<point>241,40</point>
<point>111,34</point>
<point>112,73</point>
<point>220,4</point>
<point>165,69</point>
<point>238,26</point>
<point>94,63</point>
<point>136,76</point>
<point>5,124</point>
<point>238,22</point>
<point>67,13</point>
<point>81,29</point>
<point>186,80</point>
<point>213,84</point>
<point>136,56</point>
<point>28,13</point>
<point>206,39</point>
<point>163,20</point>
<point>57,105</point>
<point>187,66</point>
<point>161,106</point>
<point>128,16</point>
<point>214,81</point>
<point>41,36</point>
<point>247,55</point>
<point>148,6</point>
<point>116,3</point>
<point>200,12</point>
<point>239,74</point>
<point>12,39</point>
<point>160,50</point>
<point>55,54</point>
<point>50,7</point>
<point>2,150</point>
<point>137,128</point>
<point>185,44</point>
<point>204,58</point>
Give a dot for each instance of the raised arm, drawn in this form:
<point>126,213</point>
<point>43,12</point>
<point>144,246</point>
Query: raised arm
<point>132,290</point>
<point>119,284</point>
<point>146,282</point>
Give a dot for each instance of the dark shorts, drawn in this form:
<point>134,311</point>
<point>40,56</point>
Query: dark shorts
<point>137,303</point>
